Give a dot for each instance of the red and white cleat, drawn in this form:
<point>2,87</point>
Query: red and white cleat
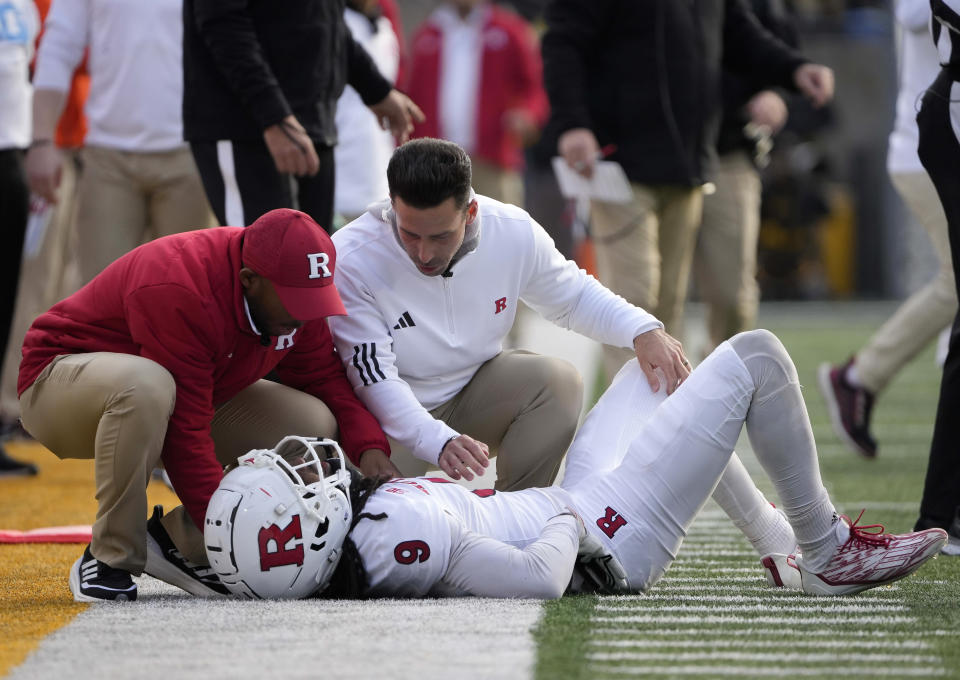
<point>782,571</point>
<point>866,558</point>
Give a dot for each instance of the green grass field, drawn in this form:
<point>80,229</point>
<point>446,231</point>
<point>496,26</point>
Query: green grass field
<point>714,616</point>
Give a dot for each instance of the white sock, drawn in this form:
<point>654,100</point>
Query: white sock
<point>766,528</point>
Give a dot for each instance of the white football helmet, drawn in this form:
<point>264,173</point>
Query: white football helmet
<point>275,525</point>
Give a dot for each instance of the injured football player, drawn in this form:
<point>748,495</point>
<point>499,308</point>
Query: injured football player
<point>638,472</point>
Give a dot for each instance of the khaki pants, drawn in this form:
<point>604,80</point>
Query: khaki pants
<point>925,313</point>
<point>114,408</point>
<point>48,274</point>
<point>498,183</point>
<point>127,198</point>
<point>644,249</point>
<point>725,264</point>
<point>524,406</point>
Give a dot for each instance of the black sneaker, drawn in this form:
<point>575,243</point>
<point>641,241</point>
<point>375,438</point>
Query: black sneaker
<point>93,581</point>
<point>10,467</point>
<point>166,563</point>
<point>849,409</point>
<point>952,546</point>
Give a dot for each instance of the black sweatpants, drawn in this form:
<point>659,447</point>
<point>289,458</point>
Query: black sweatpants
<point>14,211</point>
<point>940,154</point>
<point>242,182</point>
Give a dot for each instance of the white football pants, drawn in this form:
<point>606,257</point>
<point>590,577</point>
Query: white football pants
<point>642,465</point>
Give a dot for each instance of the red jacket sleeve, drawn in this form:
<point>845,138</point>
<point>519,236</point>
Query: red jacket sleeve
<point>176,338</point>
<point>314,366</point>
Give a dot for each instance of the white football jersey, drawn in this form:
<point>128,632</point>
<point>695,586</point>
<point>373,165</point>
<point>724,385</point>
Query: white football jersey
<point>409,552</point>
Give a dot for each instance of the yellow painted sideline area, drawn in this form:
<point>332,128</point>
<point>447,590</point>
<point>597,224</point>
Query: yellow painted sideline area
<point>35,599</point>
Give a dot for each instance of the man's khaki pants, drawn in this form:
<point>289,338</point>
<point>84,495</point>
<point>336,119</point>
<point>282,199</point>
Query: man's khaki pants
<point>127,198</point>
<point>925,313</point>
<point>500,184</point>
<point>524,406</point>
<point>725,265</point>
<point>114,408</point>
<point>644,249</point>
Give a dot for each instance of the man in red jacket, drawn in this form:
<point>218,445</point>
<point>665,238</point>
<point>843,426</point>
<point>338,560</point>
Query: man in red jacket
<point>161,357</point>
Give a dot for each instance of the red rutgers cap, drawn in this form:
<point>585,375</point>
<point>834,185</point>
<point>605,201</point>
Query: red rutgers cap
<point>297,256</point>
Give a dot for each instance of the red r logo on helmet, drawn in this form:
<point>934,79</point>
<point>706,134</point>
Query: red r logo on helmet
<point>282,555</point>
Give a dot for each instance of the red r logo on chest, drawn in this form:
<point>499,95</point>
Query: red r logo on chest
<point>501,305</point>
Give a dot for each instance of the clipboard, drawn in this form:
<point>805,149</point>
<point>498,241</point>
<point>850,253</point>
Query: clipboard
<point>608,184</point>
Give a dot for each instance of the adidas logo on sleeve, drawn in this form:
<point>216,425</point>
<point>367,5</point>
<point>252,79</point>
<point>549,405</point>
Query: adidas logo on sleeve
<point>406,321</point>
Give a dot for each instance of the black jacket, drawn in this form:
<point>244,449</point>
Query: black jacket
<point>645,76</point>
<point>738,88</point>
<point>247,64</point>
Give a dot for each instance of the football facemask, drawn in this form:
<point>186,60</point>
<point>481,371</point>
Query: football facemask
<point>275,526</point>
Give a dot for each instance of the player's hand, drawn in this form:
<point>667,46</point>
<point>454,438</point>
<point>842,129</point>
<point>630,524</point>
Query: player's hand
<point>657,349</point>
<point>767,108</point>
<point>396,113</point>
<point>815,82</point>
<point>375,463</point>
<point>463,456</point>
<point>579,149</point>
<point>291,148</point>
<point>44,163</point>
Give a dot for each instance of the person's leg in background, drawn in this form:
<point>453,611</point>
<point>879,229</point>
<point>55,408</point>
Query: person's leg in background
<point>681,209</point>
<point>315,194</point>
<point>903,336</point>
<point>939,151</point>
<point>111,209</point>
<point>241,180</point>
<point>626,238</point>
<point>14,210</point>
<point>176,198</point>
<point>498,183</point>
<point>725,263</point>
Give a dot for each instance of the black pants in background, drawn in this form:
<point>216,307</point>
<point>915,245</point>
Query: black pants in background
<point>242,182</point>
<point>940,154</point>
<point>14,211</point>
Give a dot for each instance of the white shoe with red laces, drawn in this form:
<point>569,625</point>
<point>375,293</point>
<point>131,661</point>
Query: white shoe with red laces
<point>866,558</point>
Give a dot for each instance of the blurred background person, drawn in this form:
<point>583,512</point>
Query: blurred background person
<point>476,70</point>
<point>940,154</point>
<point>18,28</point>
<point>645,78</point>
<point>725,260</point>
<point>363,147</point>
<point>851,388</point>
<point>48,267</point>
<point>261,84</point>
<point>139,180</point>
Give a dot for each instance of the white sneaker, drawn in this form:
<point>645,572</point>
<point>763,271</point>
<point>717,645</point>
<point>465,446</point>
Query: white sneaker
<point>782,571</point>
<point>867,559</point>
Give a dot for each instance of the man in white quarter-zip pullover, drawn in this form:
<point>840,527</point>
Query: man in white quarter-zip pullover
<point>430,280</point>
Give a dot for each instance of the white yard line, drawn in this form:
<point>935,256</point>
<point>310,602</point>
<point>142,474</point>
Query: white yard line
<point>761,644</point>
<point>777,671</point>
<point>854,637</point>
<point>766,657</point>
<point>703,620</point>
